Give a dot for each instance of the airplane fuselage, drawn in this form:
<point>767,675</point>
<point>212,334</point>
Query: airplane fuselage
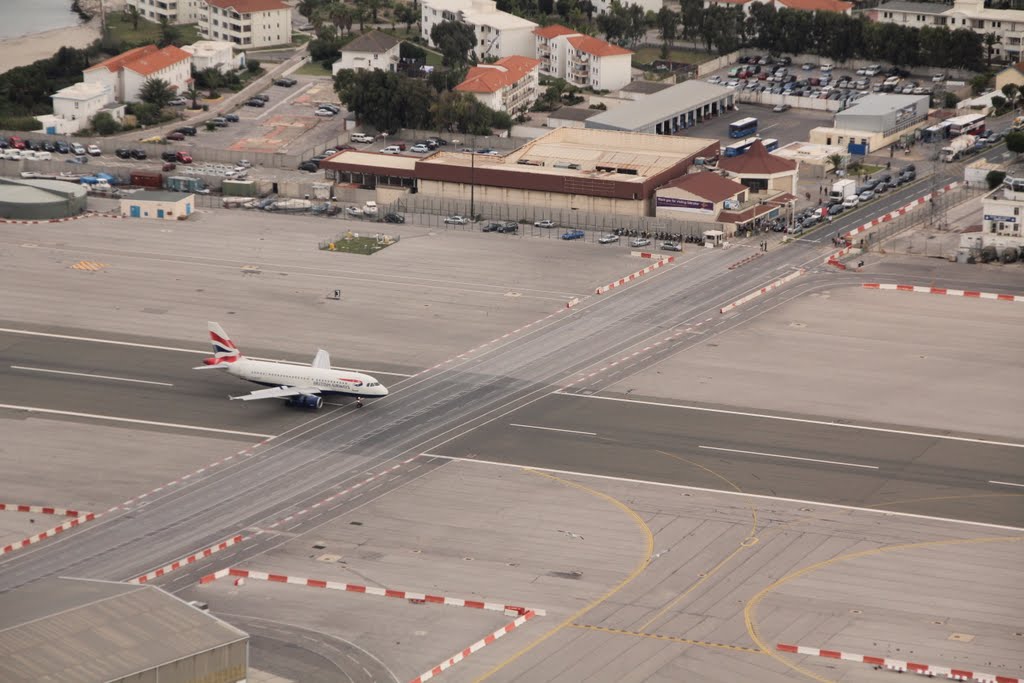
<point>328,381</point>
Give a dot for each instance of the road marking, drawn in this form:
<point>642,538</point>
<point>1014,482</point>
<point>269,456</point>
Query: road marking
<point>788,457</point>
<point>157,347</point>
<point>761,496</point>
<point>87,374</point>
<point>1006,483</point>
<point>93,416</point>
<point>803,420</point>
<point>552,429</point>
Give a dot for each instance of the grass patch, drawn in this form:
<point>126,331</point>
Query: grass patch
<point>434,59</point>
<point>313,69</point>
<point>349,243</point>
<point>300,38</point>
<point>148,32</point>
<point>647,55</point>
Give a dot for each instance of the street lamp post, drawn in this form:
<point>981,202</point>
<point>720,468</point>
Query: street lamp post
<point>472,181</point>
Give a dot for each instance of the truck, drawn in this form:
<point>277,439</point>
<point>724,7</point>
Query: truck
<point>957,148</point>
<point>841,189</point>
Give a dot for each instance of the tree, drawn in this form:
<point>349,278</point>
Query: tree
<point>1010,91</point>
<point>169,33</point>
<point>386,100</point>
<point>157,92</point>
<point>252,66</point>
<point>147,114</point>
<point>211,78</point>
<point>1015,142</point>
<point>668,22</point>
<point>836,161</point>
<point>104,124</point>
<point>990,40</point>
<point>455,40</point>
<point>994,179</point>
<point>950,101</point>
<point>998,103</point>
<point>193,94</point>
<point>132,12</point>
<point>407,15</point>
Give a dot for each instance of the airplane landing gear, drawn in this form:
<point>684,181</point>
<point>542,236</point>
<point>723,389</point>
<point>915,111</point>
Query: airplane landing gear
<point>359,402</point>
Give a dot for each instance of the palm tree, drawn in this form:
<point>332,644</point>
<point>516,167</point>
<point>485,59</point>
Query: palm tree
<point>991,40</point>
<point>341,15</point>
<point>213,79</point>
<point>836,161</point>
<point>156,91</point>
<point>132,12</point>
<point>193,94</point>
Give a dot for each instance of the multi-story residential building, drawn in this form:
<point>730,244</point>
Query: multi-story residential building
<point>837,6</point>
<point>175,11</point>
<point>75,105</point>
<point>215,54</point>
<point>1006,24</point>
<point>509,84</point>
<point>745,4</point>
<point>582,60</point>
<point>126,72</point>
<point>498,34</point>
<point>602,6</point>
<point>249,23</point>
<point>373,50</point>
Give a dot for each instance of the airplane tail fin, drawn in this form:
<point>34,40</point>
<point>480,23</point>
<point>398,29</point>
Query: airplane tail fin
<point>224,350</point>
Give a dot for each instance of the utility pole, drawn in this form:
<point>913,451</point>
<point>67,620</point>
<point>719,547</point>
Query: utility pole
<point>472,181</point>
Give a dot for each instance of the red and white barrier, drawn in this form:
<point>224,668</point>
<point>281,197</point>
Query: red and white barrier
<point>899,212</point>
<point>478,645</point>
<point>70,524</point>
<point>947,292</point>
<point>645,254</point>
<point>187,560</point>
<point>745,261</point>
<point>39,510</point>
<point>368,590</point>
<point>764,290</point>
<point>633,276</point>
<point>900,665</point>
<point>572,302</point>
<point>833,259</point>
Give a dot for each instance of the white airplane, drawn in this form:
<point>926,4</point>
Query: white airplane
<point>301,385</point>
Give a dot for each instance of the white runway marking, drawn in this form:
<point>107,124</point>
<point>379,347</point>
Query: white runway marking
<point>788,457</point>
<point>552,429</point>
<point>92,416</point>
<point>87,374</point>
<point>1007,483</point>
<point>683,487</point>
<point>803,420</point>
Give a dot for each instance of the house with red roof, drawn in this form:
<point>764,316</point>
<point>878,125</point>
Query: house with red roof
<point>510,84</point>
<point>126,72</point>
<point>761,171</point>
<point>722,202</point>
<point>582,60</point>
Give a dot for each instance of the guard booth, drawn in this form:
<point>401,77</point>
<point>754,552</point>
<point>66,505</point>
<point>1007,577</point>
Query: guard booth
<point>714,238</point>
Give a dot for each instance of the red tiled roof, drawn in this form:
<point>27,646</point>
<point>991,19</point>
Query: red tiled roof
<point>818,5</point>
<point>248,6</point>
<point>500,74</point>
<point>758,161</point>
<point>707,185</point>
<point>158,61</point>
<point>118,62</point>
<point>553,31</point>
<point>597,47</point>
<point>733,2</point>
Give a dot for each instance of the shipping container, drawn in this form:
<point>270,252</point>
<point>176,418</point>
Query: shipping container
<point>147,179</point>
<point>239,188</point>
<point>184,183</point>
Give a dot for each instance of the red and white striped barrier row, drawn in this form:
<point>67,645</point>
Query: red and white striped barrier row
<point>368,590</point>
<point>948,292</point>
<point>632,276</point>
<point>62,220</point>
<point>764,290</point>
<point>833,259</point>
<point>746,260</point>
<point>899,212</point>
<point>478,645</point>
<point>187,560</point>
<point>645,254</point>
<point>70,524</point>
<point>14,507</point>
<point>901,666</point>
<point>572,302</point>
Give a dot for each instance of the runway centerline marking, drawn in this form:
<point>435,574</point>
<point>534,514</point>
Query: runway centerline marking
<point>89,374</point>
<point>788,457</point>
<point>112,418</point>
<point>552,429</point>
<point>1006,483</point>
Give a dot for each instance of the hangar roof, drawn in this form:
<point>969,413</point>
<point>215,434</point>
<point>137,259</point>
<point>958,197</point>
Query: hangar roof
<point>46,626</point>
<point>660,106</point>
<point>37,191</point>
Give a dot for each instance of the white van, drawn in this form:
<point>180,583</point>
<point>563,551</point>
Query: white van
<point>360,137</point>
<point>392,149</point>
<point>29,155</point>
<point>370,208</point>
<point>43,155</point>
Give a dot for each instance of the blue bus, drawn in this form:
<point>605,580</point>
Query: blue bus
<point>936,133</point>
<point>743,128</point>
<point>771,144</point>
<point>738,148</point>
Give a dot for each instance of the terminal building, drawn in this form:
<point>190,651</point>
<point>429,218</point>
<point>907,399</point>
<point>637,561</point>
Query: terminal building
<point>668,111</point>
<point>874,122</point>
<point>598,172</point>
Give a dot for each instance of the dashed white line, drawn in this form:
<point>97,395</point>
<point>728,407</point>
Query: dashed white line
<point>50,411</point>
<point>553,429</point>
<point>89,374</point>
<point>789,457</point>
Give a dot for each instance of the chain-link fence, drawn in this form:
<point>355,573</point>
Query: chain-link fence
<point>925,231</point>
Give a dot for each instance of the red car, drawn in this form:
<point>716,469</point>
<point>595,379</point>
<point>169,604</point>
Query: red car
<point>176,136</point>
<point>183,157</point>
<point>15,142</point>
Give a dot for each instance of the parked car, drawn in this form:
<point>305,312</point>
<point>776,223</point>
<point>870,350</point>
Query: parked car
<point>835,209</point>
<point>867,195</point>
<point>361,138</point>
<point>232,118</point>
<point>574,234</point>
<point>456,220</point>
<point>16,142</point>
<point>639,242</point>
<point>93,150</point>
<point>781,108</point>
<point>75,148</point>
<point>178,102</point>
<point>671,246</point>
<point>261,97</point>
<point>353,211</point>
<point>327,113</point>
<point>329,107</point>
<point>440,142</point>
<point>508,227</point>
<point>219,121</point>
<point>393,218</point>
<point>176,136</point>
<point>851,201</point>
<point>185,130</point>
<point>183,157</point>
<point>544,223</point>
<point>62,147</point>
<point>419,149</point>
<point>608,239</point>
<point>138,154</point>
<point>122,153</point>
<point>254,102</point>
<point>285,82</point>
<point>391,149</point>
<point>490,227</point>
<point>309,166</point>
<point>78,159</point>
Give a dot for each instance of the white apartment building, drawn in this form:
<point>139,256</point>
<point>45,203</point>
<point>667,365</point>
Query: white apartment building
<point>373,50</point>
<point>603,6</point>
<point>126,72</point>
<point>745,4</point>
<point>75,105</point>
<point>498,34</point>
<point>249,23</point>
<point>176,11</point>
<point>1003,211</point>
<point>582,60</point>
<point>510,84</point>
<point>1007,24</point>
<point>215,54</point>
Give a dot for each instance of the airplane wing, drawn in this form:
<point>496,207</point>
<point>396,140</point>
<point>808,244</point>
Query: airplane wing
<point>276,392</point>
<point>322,360</point>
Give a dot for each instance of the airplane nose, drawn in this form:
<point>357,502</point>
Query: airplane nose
<point>383,391</point>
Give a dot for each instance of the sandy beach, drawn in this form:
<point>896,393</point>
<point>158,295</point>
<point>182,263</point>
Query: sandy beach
<point>30,48</point>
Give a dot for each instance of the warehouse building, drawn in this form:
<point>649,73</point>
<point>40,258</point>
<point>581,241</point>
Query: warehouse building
<point>159,204</point>
<point>669,111</point>
<point>568,169</point>
<point>85,631</point>
<point>40,200</point>
<point>874,122</point>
